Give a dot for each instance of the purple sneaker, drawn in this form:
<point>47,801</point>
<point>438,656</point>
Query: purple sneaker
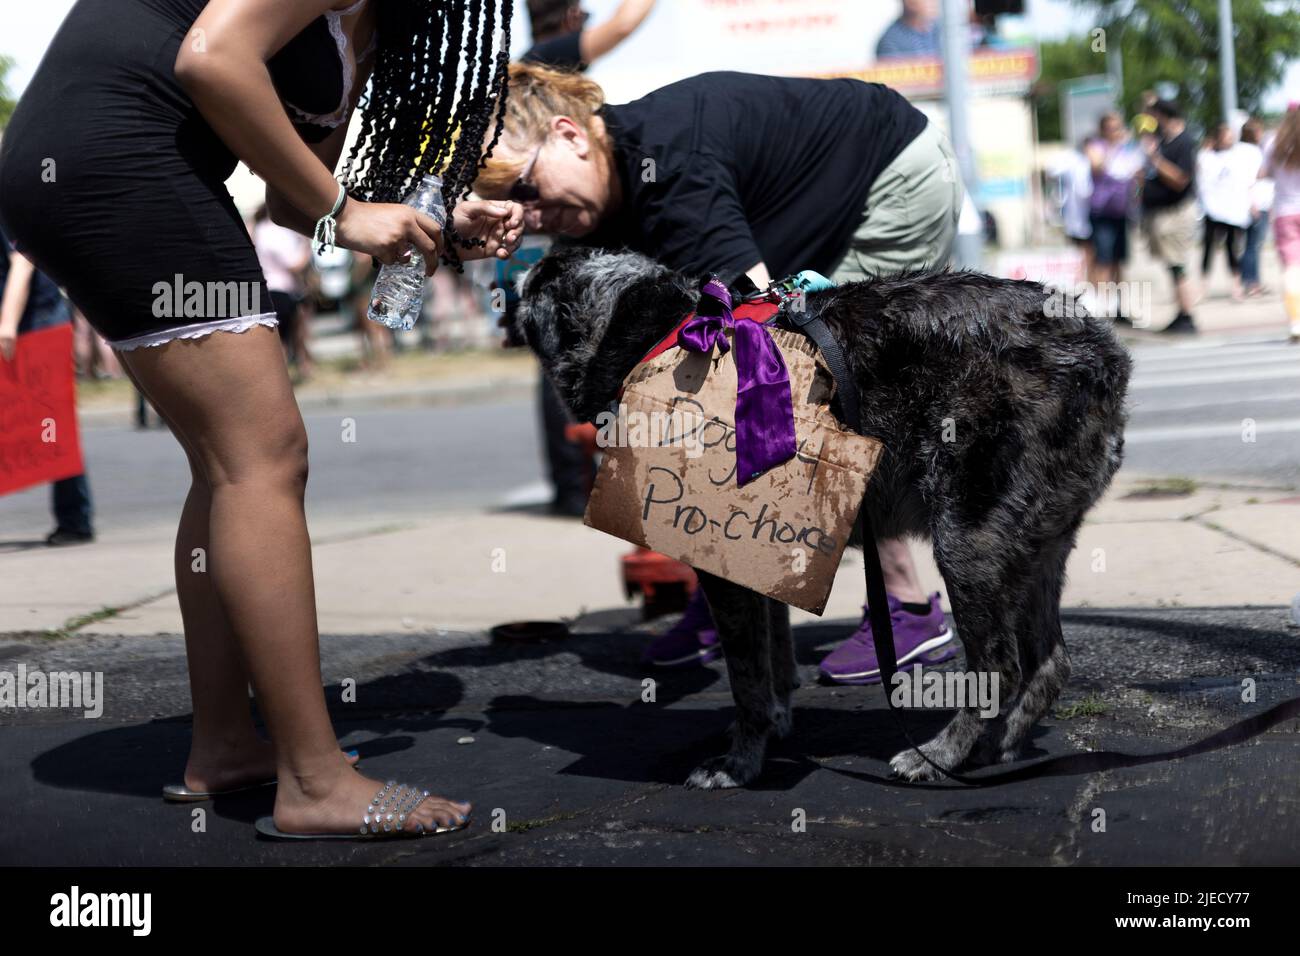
<point>692,640</point>
<point>917,637</point>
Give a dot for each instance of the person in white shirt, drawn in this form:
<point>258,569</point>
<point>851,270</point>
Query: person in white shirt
<point>1072,177</point>
<point>1224,177</point>
<point>284,256</point>
<point>1261,201</point>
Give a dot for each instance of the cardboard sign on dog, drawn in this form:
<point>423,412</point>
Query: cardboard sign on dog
<point>668,478</point>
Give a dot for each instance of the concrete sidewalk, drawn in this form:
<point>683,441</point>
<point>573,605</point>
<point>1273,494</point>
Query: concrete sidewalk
<point>1213,547</point>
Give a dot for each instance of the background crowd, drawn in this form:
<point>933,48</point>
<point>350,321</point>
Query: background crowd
<point>1190,198</point>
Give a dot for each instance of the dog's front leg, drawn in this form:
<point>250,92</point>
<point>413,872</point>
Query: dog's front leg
<point>785,674</point>
<point>744,626</point>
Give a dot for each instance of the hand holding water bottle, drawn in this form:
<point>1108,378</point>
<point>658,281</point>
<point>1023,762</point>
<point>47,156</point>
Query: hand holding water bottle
<point>398,296</point>
<point>389,231</point>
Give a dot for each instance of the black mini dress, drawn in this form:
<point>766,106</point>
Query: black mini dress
<point>113,184</point>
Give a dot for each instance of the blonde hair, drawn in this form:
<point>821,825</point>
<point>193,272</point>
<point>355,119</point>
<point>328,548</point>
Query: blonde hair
<point>536,95</point>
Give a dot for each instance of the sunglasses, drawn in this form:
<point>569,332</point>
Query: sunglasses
<point>523,190</point>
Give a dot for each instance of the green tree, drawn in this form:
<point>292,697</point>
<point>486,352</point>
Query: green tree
<point>7,102</point>
<point>1061,60</point>
<point>1174,41</point>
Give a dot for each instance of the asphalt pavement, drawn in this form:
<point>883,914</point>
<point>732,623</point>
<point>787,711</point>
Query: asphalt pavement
<point>1217,409</point>
<point>567,763</point>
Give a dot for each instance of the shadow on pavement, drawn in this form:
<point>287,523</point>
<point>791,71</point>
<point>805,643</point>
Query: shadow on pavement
<point>598,715</point>
<point>140,759</point>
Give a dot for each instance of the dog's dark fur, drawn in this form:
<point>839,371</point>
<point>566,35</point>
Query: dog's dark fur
<point>1036,400</point>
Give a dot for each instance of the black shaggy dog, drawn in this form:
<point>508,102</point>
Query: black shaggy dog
<point>1000,405</point>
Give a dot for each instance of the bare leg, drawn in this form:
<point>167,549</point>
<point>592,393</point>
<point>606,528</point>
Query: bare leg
<point>225,750</point>
<point>1185,291</point>
<point>376,340</point>
<point>901,579</point>
<point>229,398</point>
<point>302,340</point>
<point>1291,298</point>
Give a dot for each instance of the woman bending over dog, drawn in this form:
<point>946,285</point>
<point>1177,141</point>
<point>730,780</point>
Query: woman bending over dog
<point>744,175</point>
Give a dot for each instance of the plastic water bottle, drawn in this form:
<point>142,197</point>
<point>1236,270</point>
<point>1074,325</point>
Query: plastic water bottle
<point>399,289</point>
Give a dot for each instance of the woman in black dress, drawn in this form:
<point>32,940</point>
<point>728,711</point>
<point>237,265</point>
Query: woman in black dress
<point>112,181</point>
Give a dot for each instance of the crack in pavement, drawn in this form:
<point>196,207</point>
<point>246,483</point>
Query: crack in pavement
<point>1242,539</point>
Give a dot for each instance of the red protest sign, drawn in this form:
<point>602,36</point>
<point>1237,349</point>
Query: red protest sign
<point>39,442</point>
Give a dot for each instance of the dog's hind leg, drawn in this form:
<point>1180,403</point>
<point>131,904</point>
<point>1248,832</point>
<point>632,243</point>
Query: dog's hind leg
<point>744,625</point>
<point>1044,659</point>
<point>984,594</point>
<point>785,676</point>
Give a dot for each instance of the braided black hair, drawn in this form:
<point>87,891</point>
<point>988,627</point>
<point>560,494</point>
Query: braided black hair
<point>415,117</point>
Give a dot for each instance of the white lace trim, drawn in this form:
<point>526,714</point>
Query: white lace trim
<point>334,19</point>
<point>198,330</point>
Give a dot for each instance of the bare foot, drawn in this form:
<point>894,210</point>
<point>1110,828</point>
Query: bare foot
<point>341,800</point>
<point>233,766</point>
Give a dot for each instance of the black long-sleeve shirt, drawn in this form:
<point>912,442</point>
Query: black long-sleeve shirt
<point>724,170</point>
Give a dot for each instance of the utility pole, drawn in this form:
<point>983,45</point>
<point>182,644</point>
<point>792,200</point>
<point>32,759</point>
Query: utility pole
<point>1227,61</point>
<point>968,252</point>
<point>1115,67</point>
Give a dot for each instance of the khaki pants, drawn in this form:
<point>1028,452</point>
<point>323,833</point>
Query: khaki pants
<point>1171,233</point>
<point>910,219</point>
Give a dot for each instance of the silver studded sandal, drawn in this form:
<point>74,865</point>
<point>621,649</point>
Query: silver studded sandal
<point>385,818</point>
<point>179,793</point>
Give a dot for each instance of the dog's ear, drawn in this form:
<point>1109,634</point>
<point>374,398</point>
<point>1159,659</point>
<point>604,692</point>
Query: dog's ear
<point>591,315</point>
<point>542,318</point>
<point>646,309</point>
<point>546,272</point>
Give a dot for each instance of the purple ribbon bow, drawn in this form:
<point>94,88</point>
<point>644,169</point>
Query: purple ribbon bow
<point>764,412</point>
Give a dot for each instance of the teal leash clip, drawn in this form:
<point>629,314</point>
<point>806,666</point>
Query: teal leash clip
<point>782,290</point>
<point>797,286</point>
<point>808,281</point>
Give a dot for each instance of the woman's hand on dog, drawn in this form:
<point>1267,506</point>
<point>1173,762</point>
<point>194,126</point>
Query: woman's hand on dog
<point>499,224</point>
<point>389,231</point>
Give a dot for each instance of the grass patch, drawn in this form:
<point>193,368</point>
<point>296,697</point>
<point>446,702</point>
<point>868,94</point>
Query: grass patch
<point>1163,488</point>
<point>1090,706</point>
<point>104,391</point>
<point>74,624</point>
